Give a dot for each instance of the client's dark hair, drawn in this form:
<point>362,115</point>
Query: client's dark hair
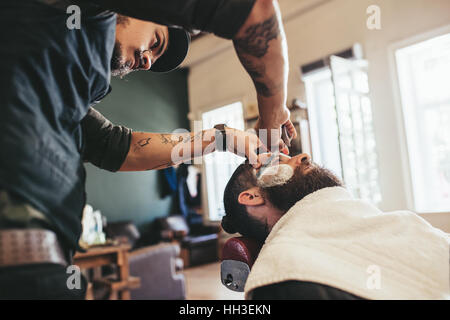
<point>236,214</point>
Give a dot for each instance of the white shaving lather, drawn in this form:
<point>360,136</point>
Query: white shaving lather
<point>269,176</point>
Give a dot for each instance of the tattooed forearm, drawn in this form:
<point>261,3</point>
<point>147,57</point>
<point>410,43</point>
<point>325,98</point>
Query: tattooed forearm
<point>166,149</point>
<point>175,139</point>
<point>169,139</point>
<point>141,143</point>
<point>197,136</point>
<point>164,139</point>
<point>162,166</point>
<point>257,38</point>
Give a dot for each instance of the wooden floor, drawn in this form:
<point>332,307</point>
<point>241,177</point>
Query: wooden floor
<point>203,283</point>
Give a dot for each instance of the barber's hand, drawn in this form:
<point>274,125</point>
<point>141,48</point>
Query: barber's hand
<point>288,133</point>
<point>245,144</point>
<point>274,141</point>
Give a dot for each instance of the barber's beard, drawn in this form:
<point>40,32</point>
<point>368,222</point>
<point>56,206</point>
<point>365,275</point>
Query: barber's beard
<point>119,66</point>
<point>283,197</point>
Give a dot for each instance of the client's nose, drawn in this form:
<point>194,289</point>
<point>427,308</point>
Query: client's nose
<point>304,157</point>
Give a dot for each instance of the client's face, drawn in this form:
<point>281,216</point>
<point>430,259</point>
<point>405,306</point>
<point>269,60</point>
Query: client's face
<point>278,168</point>
<point>281,185</point>
<point>289,181</point>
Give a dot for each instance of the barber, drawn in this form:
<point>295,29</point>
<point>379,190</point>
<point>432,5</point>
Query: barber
<point>50,77</point>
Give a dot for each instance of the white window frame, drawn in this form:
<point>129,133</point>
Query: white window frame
<point>205,190</point>
<point>398,106</point>
<point>334,159</point>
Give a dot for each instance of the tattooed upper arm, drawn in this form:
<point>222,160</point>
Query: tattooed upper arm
<point>253,46</point>
<point>256,40</point>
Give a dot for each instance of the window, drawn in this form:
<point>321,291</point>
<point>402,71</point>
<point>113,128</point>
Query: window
<point>424,80</point>
<point>340,115</point>
<point>219,166</point>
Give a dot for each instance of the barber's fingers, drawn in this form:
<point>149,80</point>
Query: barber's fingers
<point>290,129</point>
<point>283,147</point>
<point>261,146</point>
<point>253,159</point>
<point>255,144</point>
<point>269,158</point>
<point>264,158</point>
<point>251,144</point>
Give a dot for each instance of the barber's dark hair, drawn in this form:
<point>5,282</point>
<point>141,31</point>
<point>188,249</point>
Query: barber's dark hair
<point>236,217</point>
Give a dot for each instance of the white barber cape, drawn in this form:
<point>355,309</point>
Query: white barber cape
<point>330,238</point>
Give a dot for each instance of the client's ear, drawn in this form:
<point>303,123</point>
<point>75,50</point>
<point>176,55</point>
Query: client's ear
<point>251,197</point>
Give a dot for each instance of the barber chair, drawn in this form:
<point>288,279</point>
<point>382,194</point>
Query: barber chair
<point>238,256</point>
<point>158,266</point>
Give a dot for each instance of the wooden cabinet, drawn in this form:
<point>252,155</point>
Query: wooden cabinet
<point>118,284</point>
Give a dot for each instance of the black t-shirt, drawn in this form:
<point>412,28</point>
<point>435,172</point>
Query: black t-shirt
<point>105,145</point>
<point>301,290</point>
<point>221,17</point>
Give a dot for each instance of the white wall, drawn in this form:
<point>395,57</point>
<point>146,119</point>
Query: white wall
<point>317,28</point>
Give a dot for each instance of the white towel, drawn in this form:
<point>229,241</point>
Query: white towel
<point>330,238</point>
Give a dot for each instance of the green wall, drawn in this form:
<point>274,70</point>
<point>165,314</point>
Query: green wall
<point>148,102</point>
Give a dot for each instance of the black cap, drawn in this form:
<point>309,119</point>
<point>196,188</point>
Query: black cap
<point>179,41</point>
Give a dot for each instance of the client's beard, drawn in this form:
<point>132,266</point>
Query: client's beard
<point>283,197</point>
<point>119,67</point>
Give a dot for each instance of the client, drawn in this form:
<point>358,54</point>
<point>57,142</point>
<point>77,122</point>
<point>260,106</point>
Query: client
<point>321,243</point>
